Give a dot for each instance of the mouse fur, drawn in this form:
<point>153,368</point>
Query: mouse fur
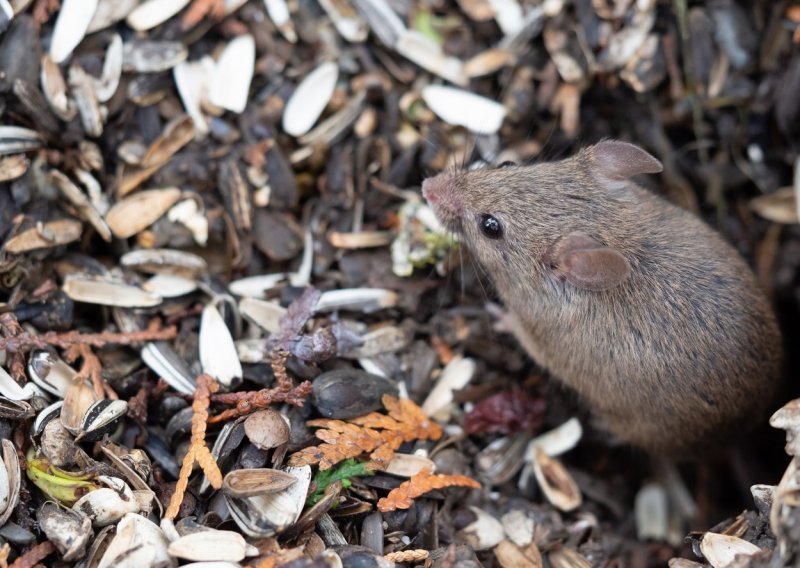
<point>638,305</point>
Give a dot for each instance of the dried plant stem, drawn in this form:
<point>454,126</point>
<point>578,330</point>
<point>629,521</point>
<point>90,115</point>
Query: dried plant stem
<point>34,555</point>
<point>25,341</point>
<point>248,402</point>
<point>91,368</point>
<point>198,451</point>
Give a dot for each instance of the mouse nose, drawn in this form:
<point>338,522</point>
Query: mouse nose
<point>429,190</point>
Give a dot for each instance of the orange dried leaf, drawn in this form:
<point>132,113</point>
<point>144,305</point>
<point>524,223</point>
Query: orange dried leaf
<point>419,484</point>
<point>373,433</point>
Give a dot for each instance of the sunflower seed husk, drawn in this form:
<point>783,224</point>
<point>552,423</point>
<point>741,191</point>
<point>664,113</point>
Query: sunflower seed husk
<point>82,203</point>
<point>266,515</point>
<point>10,481</point>
<point>54,88</point>
<point>166,363</point>
<point>109,12</point>
<point>428,54</point>
<point>69,530</point>
<point>266,429</point>
<point>45,235</point>
<point>77,401</point>
<point>211,545</point>
<point>407,465</point>
<point>109,504</point>
<point>462,108</point>
<point>263,313</point>
<point>652,516</point>
<point>108,293</point>
<point>217,350</point>
<point>192,79</point>
<point>13,167</point>
<point>100,418</point>
<point>721,550</point>
<point>557,441</point>
<point>137,212</point>
<point>256,286</point>
<point>356,299</point>
<point>484,532</point>
<point>55,442</point>
<point>152,56</point>
<point>556,482</point>
<point>138,542</point>
<point>108,83</point>
<point>10,389</point>
<point>242,483</point>
<point>456,375</point>
<point>169,285</point>
<point>86,101</point>
<point>151,13</point>
<point>165,261</point>
<point>15,140</point>
<point>71,25</point>
<point>309,99</point>
<point>352,27</point>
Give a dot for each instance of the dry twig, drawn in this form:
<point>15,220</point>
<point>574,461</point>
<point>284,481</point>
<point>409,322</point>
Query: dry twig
<point>250,401</point>
<point>25,341</point>
<point>34,555</point>
<point>198,451</point>
<point>407,556</point>
<point>90,369</point>
<point>403,497</point>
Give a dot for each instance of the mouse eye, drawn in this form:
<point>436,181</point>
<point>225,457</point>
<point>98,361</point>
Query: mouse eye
<point>490,227</point>
<point>507,164</point>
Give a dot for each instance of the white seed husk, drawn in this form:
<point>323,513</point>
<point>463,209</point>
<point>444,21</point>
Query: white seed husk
<point>722,550</point>
<point>484,532</point>
<point>138,542</point>
<point>151,13</point>
<point>71,25</point>
<point>230,84</point>
<point>456,375</point>
<point>210,545</point>
<point>218,355</point>
<point>108,293</point>
<point>462,108</point>
<point>309,99</point>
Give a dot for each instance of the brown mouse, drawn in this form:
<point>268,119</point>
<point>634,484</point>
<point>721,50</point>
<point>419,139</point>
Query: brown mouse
<point>636,304</point>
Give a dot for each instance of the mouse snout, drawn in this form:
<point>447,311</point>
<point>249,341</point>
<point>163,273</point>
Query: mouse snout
<point>441,196</point>
<point>430,191</point>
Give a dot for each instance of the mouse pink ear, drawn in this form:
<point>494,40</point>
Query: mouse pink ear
<point>586,263</point>
<point>618,161</point>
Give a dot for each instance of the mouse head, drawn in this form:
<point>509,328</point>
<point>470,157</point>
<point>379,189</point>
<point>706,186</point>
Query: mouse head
<point>566,219</point>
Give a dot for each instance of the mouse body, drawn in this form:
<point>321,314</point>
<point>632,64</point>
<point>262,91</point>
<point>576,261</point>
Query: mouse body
<point>639,306</point>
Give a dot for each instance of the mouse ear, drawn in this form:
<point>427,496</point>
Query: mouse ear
<point>586,263</point>
<point>615,160</point>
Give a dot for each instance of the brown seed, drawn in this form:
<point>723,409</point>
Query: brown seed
<point>250,482</point>
<point>266,429</point>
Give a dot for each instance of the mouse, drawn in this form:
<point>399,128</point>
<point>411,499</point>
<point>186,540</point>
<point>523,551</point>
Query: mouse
<point>639,306</point>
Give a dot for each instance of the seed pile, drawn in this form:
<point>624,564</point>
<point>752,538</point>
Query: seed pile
<point>231,330</point>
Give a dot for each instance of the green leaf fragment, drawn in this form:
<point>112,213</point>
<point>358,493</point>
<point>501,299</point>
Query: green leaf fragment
<point>343,472</point>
